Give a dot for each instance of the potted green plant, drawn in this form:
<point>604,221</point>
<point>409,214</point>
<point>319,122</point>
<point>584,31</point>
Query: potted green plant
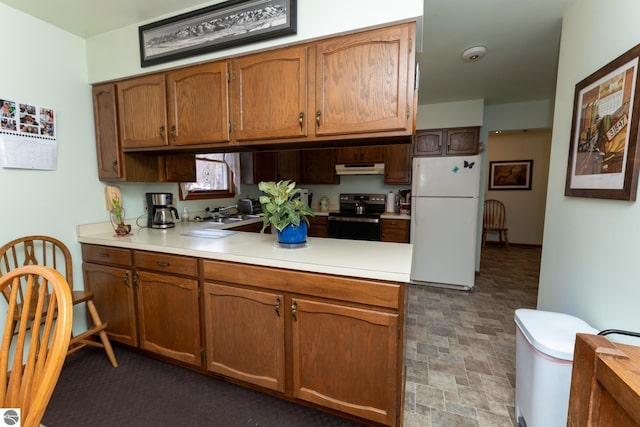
<point>285,212</point>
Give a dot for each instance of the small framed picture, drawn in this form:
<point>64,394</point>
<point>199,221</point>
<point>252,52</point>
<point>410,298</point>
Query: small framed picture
<point>510,175</point>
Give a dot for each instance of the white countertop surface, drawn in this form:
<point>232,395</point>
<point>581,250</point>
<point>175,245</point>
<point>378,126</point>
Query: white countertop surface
<point>355,258</point>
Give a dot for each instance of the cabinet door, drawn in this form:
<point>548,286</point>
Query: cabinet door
<point>395,230</point>
<point>288,165</point>
<point>198,104</point>
<point>318,166</point>
<point>106,126</point>
<point>168,317</point>
<point>265,167</point>
<point>318,226</point>
<point>113,296</point>
<point>179,168</point>
<point>462,141</point>
<point>429,143</point>
<point>362,82</point>
<point>346,358</point>
<point>397,164</point>
<point>245,334</point>
<point>355,155</point>
<point>142,112</point>
<point>270,94</point>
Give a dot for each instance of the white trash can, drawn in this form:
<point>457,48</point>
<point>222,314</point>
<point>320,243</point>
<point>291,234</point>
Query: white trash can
<point>544,357</point>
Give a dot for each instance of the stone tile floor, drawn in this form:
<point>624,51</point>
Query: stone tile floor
<point>460,346</point>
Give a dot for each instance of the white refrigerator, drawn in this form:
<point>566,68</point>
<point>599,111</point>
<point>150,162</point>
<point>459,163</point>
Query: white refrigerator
<point>444,220</point>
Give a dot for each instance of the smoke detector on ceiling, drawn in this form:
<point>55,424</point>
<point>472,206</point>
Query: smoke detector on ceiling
<point>474,53</point>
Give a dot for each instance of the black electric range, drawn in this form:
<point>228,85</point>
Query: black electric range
<point>358,217</point>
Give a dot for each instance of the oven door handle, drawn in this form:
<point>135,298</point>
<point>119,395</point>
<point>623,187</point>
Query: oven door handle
<point>354,219</point>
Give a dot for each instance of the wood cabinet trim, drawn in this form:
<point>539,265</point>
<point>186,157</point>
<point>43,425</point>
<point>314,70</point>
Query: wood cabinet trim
<point>362,291</point>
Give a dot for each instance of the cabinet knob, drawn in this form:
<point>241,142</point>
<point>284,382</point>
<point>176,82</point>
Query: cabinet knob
<point>300,120</point>
<point>126,279</point>
<point>318,113</point>
<point>173,133</point>
<point>162,132</point>
<point>294,310</point>
<point>114,165</point>
<point>278,306</point>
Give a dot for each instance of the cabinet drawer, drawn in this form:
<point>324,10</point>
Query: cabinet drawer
<point>395,223</point>
<point>106,255</point>
<point>174,264</point>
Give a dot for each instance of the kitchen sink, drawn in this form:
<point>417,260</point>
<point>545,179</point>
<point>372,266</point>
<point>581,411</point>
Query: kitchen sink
<point>232,218</point>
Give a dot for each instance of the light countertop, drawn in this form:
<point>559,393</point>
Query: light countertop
<point>355,258</point>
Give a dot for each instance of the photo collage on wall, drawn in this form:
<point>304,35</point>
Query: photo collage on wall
<point>26,120</point>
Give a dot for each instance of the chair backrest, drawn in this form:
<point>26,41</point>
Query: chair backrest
<point>494,214</point>
<point>36,250</point>
<point>32,358</point>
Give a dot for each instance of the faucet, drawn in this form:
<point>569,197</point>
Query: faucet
<point>224,211</point>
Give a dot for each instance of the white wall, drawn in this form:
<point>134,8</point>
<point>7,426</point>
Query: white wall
<point>525,208</point>
<point>590,253</point>
<point>51,74</point>
<point>316,19</point>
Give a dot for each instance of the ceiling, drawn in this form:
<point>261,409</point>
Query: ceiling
<point>522,38</point>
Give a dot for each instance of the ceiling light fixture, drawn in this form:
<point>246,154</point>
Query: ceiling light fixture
<point>474,53</point>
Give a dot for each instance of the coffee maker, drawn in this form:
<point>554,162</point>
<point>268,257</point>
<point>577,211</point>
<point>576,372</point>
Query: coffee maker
<point>161,213</point>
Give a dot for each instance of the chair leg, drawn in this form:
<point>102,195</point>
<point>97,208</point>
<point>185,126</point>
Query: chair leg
<point>103,334</point>
<point>506,239</point>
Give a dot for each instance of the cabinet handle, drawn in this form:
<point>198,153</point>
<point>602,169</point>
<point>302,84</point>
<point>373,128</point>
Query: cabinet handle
<point>162,264</point>
<point>114,165</point>
<point>278,306</point>
<point>300,120</point>
<point>103,255</point>
<point>126,279</point>
<point>294,310</point>
<point>162,132</point>
<point>173,133</point>
<point>318,113</point>
<point>135,280</point>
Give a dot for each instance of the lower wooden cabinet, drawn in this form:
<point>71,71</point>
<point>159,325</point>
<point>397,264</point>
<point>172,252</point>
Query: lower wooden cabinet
<point>318,226</point>
<point>345,358</point>
<point>245,334</point>
<point>395,230</point>
<point>108,273</point>
<point>167,297</point>
<point>331,341</point>
<point>168,320</point>
<point>328,340</point>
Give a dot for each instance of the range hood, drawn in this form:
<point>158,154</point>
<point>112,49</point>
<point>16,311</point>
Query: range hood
<point>360,169</point>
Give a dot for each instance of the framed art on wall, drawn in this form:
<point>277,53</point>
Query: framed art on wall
<point>510,175</point>
<point>220,26</point>
<point>603,151</point>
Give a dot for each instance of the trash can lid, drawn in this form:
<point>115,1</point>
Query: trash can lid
<point>553,334</point>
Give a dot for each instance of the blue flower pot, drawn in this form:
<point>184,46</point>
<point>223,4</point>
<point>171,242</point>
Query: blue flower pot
<point>293,234</point>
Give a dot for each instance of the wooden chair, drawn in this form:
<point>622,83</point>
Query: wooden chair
<point>51,252</point>
<point>31,358</point>
<point>493,219</point>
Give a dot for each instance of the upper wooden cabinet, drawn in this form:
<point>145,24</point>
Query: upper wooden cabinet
<point>397,164</point>
<point>318,166</point>
<point>113,164</point>
<point>447,142</point>
<point>364,82</point>
<point>366,154</point>
<point>142,112</point>
<point>198,104</point>
<point>182,107</point>
<point>269,94</point>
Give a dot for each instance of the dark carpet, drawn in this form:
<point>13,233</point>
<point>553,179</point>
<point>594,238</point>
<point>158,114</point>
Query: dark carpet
<point>148,392</point>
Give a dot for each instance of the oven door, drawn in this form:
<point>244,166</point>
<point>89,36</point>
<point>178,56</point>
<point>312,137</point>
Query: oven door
<point>355,228</point>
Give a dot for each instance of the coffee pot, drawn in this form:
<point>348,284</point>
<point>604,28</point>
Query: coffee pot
<point>161,213</point>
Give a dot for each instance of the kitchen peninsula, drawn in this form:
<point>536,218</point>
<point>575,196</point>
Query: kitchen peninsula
<point>321,325</point>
